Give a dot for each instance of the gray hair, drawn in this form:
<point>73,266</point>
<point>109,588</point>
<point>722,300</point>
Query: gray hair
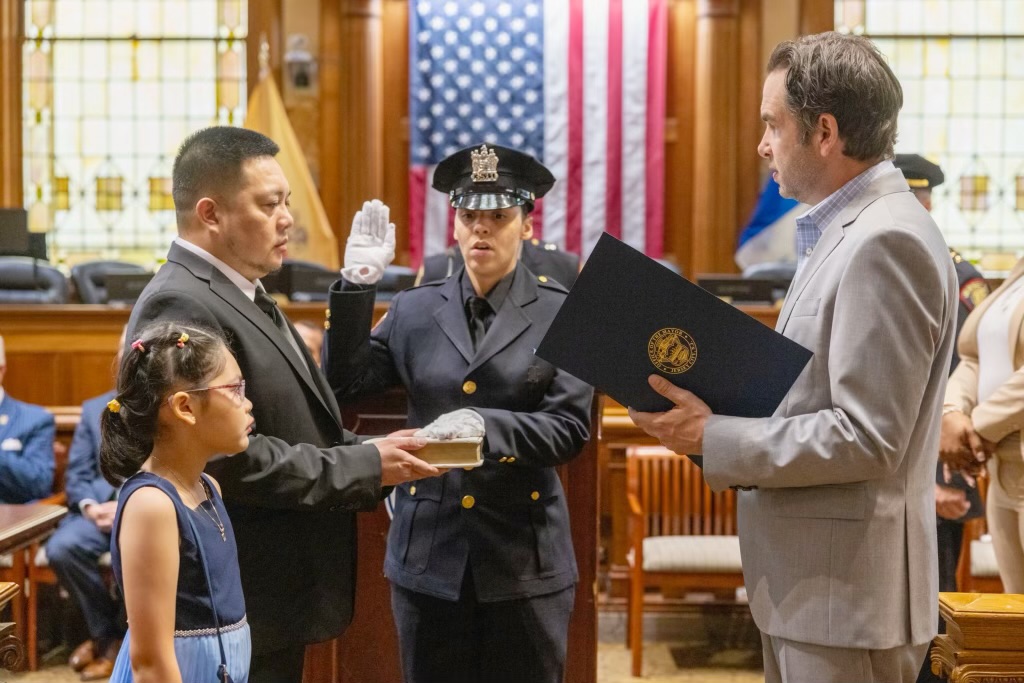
<point>845,76</point>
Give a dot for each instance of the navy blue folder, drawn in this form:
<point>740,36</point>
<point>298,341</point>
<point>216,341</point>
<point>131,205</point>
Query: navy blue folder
<point>628,317</point>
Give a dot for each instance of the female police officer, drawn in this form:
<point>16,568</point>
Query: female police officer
<point>480,560</point>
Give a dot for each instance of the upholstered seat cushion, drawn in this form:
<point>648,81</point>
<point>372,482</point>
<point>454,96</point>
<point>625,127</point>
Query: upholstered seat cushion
<point>716,554</point>
<point>42,561</point>
<point>983,559</point>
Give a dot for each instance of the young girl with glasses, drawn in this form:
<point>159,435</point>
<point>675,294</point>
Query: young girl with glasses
<point>180,402</point>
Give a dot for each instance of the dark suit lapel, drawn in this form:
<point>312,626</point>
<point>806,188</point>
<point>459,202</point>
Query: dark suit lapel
<point>226,290</point>
<point>233,296</point>
<point>510,321</point>
<point>451,317</point>
<point>318,375</point>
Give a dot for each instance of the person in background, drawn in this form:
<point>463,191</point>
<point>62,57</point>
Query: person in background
<point>480,560</point>
<point>836,502</point>
<point>180,402</point>
<point>981,417</point>
<point>26,446</point>
<point>83,536</point>
<point>956,500</point>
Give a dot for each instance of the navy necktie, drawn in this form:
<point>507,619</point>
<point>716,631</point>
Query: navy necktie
<point>479,309</point>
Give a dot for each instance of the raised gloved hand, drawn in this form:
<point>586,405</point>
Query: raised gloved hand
<point>371,244</point>
<point>458,424</point>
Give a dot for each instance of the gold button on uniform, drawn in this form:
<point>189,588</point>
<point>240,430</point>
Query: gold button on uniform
<point>511,458</point>
<point>543,278</point>
<point>327,324</point>
<point>469,387</point>
<point>327,313</point>
<point>502,459</point>
<point>412,490</point>
<point>535,495</point>
<point>468,501</point>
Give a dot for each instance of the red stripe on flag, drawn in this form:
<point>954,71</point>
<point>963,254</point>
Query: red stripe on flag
<point>574,183</point>
<point>656,85</point>
<point>613,168</point>
<point>417,199</point>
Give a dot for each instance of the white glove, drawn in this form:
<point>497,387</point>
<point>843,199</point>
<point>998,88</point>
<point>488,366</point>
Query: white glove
<point>458,424</point>
<point>371,244</point>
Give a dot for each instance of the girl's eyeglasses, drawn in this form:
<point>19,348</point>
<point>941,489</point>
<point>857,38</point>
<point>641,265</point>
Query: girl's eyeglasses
<point>237,390</point>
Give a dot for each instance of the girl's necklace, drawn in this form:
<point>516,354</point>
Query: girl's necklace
<point>199,506</point>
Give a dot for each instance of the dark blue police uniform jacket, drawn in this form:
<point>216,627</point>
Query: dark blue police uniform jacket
<point>507,519</point>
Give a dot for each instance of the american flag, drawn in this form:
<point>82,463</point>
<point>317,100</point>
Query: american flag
<point>579,84</point>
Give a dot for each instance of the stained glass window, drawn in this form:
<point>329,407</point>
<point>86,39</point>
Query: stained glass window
<point>111,88</point>
<point>961,64</point>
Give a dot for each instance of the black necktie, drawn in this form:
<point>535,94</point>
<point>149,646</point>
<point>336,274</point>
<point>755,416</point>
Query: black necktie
<point>479,309</point>
<point>269,306</point>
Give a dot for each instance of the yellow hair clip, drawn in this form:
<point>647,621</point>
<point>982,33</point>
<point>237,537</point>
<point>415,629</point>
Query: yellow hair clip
<point>182,339</point>
<point>114,406</point>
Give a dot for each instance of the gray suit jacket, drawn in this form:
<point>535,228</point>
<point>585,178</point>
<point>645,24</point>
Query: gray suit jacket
<point>838,540</point>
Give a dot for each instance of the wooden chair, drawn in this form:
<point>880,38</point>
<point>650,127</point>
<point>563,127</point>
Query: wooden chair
<point>14,569</point>
<point>682,535</point>
<point>38,569</point>
<point>977,571</point>
<point>20,567</point>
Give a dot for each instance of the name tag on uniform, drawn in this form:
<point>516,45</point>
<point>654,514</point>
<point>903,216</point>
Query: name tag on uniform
<point>11,444</point>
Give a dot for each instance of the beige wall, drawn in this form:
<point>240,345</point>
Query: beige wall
<point>303,105</point>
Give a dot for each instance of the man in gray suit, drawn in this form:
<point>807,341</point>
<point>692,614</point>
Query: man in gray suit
<point>837,505</point>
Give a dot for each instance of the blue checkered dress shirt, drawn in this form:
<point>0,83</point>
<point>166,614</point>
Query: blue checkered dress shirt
<point>810,225</point>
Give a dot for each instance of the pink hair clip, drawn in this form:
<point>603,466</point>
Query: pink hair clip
<point>137,345</point>
<point>182,339</point>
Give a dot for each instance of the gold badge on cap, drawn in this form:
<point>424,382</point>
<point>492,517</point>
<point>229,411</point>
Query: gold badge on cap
<point>485,165</point>
<point>672,350</point>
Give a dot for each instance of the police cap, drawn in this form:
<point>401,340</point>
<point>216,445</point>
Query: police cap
<point>920,173</point>
<point>492,177</point>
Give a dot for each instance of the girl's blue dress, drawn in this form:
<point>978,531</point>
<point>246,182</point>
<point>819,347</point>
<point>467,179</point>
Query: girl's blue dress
<point>195,640</point>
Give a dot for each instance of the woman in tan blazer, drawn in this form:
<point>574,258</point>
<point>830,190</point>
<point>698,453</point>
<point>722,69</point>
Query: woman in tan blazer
<point>984,412</point>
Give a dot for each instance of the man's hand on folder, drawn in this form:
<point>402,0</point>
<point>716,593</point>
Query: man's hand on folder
<point>681,428</point>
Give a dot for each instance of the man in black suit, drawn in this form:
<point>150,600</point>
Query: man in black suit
<point>293,493</point>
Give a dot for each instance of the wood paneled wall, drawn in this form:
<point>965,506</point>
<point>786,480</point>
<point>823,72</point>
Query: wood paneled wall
<point>716,51</point>
<point>713,175</point>
<point>12,37</point>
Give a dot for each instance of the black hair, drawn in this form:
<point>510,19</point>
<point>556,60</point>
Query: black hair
<point>210,161</point>
<point>152,368</point>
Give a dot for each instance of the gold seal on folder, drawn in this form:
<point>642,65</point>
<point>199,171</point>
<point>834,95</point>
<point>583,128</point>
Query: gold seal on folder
<point>672,350</point>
